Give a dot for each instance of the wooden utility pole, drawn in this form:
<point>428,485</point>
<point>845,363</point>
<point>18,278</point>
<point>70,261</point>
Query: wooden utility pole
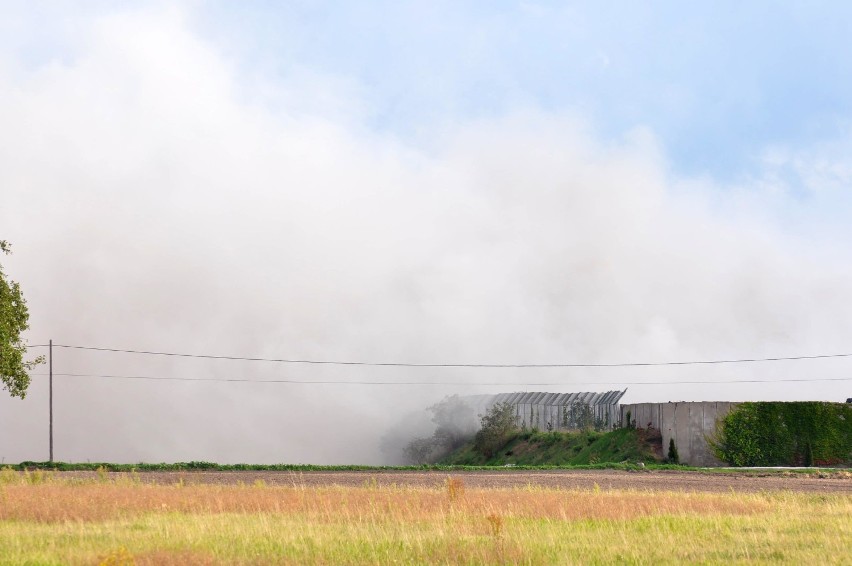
<point>50,363</point>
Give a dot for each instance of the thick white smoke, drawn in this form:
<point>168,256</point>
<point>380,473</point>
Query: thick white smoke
<point>154,203</point>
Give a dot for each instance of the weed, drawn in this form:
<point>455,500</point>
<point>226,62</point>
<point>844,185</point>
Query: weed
<point>674,458</point>
<point>455,488</point>
<point>118,557</point>
<point>36,477</point>
<point>9,476</point>
<point>495,522</point>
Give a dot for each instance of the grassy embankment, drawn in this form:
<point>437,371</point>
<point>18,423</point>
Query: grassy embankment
<point>46,520</point>
<point>620,449</point>
<point>568,449</point>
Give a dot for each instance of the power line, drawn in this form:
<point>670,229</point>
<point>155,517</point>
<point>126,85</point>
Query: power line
<point>465,383</point>
<point>449,365</point>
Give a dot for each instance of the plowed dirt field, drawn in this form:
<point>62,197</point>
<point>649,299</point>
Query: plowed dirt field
<point>835,482</point>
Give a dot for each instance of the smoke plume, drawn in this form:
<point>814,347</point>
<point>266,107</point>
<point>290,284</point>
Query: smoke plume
<point>155,203</point>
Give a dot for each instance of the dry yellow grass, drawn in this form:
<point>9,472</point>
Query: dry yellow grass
<point>47,521</point>
<point>61,503</point>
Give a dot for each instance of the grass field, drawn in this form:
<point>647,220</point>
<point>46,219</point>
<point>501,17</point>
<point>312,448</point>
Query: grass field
<point>45,520</point>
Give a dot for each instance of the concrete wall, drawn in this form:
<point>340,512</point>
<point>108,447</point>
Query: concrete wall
<point>688,423</point>
<point>539,416</point>
<point>556,411</point>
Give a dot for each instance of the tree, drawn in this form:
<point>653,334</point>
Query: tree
<point>14,318</point>
<point>455,423</point>
<point>584,417</point>
<point>419,450</point>
<point>454,426</point>
<point>498,423</point>
<point>579,415</point>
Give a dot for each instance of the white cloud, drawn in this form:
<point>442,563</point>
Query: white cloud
<point>820,169</point>
<point>154,204</point>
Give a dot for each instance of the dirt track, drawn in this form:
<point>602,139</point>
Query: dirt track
<point>565,479</point>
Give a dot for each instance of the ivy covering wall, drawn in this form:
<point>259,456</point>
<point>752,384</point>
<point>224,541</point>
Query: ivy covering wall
<point>786,434</point>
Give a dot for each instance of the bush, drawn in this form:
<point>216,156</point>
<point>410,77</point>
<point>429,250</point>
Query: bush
<point>674,457</point>
<point>498,424</point>
<point>785,434</point>
<point>419,451</point>
<point>454,426</point>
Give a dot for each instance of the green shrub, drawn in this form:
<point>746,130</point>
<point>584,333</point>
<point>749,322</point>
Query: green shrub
<point>498,424</point>
<point>674,457</point>
<point>785,434</point>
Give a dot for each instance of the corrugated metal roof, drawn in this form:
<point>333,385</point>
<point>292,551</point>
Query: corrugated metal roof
<point>547,398</point>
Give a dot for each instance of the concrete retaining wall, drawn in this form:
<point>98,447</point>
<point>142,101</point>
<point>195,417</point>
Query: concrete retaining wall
<point>688,423</point>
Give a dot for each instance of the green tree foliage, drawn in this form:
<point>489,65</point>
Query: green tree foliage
<point>455,425</point>
<point>583,416</point>
<point>498,424</point>
<point>14,318</point>
<point>785,434</point>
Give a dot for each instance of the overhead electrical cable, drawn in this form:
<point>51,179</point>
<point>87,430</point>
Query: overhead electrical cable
<point>450,365</point>
<point>465,383</point>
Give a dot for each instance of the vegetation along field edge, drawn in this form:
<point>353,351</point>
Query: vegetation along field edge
<point>213,467</point>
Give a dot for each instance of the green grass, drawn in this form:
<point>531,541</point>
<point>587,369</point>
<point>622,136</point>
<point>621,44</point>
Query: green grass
<point>212,467</point>
<point>618,447</point>
<point>260,539</point>
<point>497,466</point>
<point>59,522</point>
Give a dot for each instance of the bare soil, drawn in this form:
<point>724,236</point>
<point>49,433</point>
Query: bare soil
<point>660,480</point>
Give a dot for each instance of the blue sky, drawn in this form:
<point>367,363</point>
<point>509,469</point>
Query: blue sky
<point>717,82</point>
